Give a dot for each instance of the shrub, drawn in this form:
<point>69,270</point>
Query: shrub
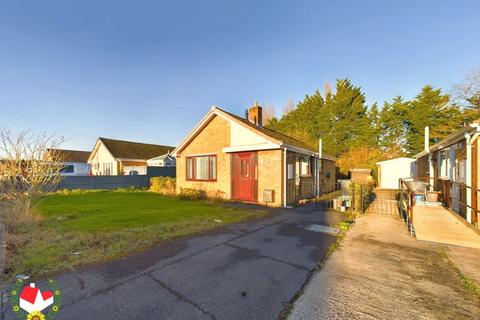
<point>192,194</point>
<point>163,185</point>
<point>360,193</point>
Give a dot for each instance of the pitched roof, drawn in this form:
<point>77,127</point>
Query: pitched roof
<point>452,138</point>
<point>163,156</point>
<point>72,155</point>
<point>278,136</point>
<point>134,150</point>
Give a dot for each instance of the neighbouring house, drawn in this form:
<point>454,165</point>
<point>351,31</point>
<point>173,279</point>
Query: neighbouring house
<point>453,162</point>
<point>75,162</point>
<point>117,157</point>
<point>166,160</point>
<point>239,159</point>
<point>391,171</point>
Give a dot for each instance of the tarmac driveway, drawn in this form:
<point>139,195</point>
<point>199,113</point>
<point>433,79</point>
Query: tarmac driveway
<point>248,270</point>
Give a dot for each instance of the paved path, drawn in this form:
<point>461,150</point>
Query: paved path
<point>380,272</point>
<point>244,271</point>
<point>437,224</point>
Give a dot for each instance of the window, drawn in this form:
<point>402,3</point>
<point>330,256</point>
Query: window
<point>244,172</point>
<point>290,171</point>
<point>202,168</point>
<point>305,166</point>
<point>67,169</point>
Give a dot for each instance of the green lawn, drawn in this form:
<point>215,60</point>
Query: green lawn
<point>83,227</point>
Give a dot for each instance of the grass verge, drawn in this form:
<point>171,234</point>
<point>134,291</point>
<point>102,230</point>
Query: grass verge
<point>469,284</point>
<point>77,228</point>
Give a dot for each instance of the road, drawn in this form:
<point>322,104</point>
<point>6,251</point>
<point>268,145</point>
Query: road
<point>249,270</point>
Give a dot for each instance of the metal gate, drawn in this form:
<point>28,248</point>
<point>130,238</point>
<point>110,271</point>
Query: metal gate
<point>385,202</point>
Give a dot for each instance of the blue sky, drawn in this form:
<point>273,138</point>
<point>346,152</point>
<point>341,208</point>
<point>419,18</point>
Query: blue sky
<point>149,70</point>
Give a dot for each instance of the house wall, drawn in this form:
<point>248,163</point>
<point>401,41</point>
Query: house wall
<point>101,160</point>
<point>422,167</point>
<point>298,187</point>
<point>328,178</point>
<point>270,175</point>
<point>211,140</point>
<point>391,171</point>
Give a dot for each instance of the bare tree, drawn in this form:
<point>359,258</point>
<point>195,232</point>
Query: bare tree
<point>268,114</point>
<point>29,168</point>
<point>290,106</point>
<point>467,92</point>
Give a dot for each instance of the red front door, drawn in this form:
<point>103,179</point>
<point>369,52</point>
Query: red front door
<point>244,176</point>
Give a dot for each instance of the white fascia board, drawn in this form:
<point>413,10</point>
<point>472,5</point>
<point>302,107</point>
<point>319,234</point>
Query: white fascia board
<point>200,154</point>
<point>454,138</point>
<point>300,150</point>
<point>192,133</point>
<point>126,159</point>
<point>396,159</point>
<point>327,157</point>
<point>95,150</point>
<point>421,154</point>
<point>252,147</point>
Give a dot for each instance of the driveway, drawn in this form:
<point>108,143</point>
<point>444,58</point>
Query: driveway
<point>380,272</point>
<point>248,270</point>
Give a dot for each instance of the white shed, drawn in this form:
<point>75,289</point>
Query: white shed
<point>390,171</point>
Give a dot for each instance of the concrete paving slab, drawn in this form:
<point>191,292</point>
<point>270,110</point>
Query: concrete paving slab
<point>437,224</point>
<point>380,272</point>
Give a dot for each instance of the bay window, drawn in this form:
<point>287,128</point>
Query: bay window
<point>202,168</point>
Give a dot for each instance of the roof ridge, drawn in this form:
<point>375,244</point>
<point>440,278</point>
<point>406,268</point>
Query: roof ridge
<point>68,150</point>
<point>129,141</point>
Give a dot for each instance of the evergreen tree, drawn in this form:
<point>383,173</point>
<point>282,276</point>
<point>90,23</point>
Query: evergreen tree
<point>350,126</point>
<point>392,135</point>
<point>430,108</point>
<point>340,119</point>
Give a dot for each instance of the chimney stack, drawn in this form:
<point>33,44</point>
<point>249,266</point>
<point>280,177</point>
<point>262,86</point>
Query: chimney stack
<point>254,115</point>
<point>427,139</point>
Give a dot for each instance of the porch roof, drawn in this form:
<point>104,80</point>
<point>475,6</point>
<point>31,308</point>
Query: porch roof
<point>451,139</point>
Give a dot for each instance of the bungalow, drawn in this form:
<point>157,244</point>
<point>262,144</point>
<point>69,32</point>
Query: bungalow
<point>237,158</point>
<point>117,157</point>
<point>75,163</point>
<point>455,160</point>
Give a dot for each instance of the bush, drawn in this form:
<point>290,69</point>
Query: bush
<point>360,193</point>
<point>192,194</point>
<point>163,185</point>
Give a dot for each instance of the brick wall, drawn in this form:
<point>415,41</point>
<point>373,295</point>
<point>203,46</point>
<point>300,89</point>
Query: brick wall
<point>270,168</point>
<point>212,139</point>
<point>328,176</point>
